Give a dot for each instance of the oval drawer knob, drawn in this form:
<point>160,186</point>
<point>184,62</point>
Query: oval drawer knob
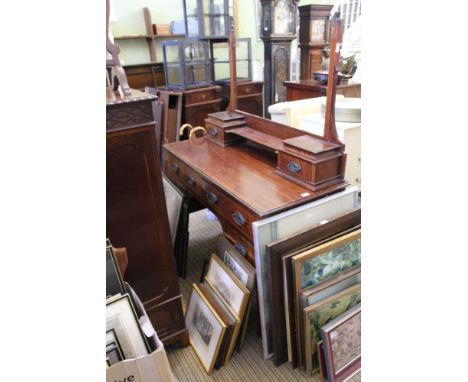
<point>294,167</point>
<point>191,180</point>
<point>213,132</point>
<point>211,197</point>
<point>241,249</point>
<point>175,167</point>
<point>238,218</point>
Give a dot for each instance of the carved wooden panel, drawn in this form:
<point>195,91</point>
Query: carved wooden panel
<point>130,114</point>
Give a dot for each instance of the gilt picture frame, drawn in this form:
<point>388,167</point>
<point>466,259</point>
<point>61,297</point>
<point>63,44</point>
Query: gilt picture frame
<point>286,248</point>
<point>206,329</point>
<point>319,263</point>
<point>247,275</point>
<point>318,315</point>
<point>323,290</point>
<point>282,225</point>
<point>293,310</point>
<point>233,292</point>
<point>342,345</point>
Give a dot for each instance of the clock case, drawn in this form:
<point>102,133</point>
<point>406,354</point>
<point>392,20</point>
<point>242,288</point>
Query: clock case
<point>310,46</point>
<point>277,52</point>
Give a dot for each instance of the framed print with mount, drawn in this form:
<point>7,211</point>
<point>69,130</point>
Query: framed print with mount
<point>318,264</point>
<point>229,318</point>
<point>121,317</point>
<point>233,292</point>
<point>294,324</point>
<point>245,272</point>
<point>286,248</point>
<point>282,225</point>
<point>342,345</point>
<point>317,315</point>
<point>206,328</point>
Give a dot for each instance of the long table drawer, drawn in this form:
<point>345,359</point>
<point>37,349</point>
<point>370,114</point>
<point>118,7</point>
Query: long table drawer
<point>233,212</point>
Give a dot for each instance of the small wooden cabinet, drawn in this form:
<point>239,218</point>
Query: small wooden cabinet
<point>198,103</point>
<point>249,96</point>
<point>136,215</point>
<point>313,37</point>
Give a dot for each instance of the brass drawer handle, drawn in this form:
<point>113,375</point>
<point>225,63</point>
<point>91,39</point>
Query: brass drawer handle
<point>191,180</point>
<point>211,197</point>
<point>294,167</point>
<point>175,167</point>
<point>238,218</point>
<point>241,249</point>
<point>213,132</point>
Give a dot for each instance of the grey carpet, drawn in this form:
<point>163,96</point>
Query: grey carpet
<point>248,365</point>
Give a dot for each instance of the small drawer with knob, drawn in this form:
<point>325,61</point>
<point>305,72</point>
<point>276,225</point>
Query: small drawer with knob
<point>193,182</point>
<point>249,89</point>
<point>199,96</point>
<point>230,210</point>
<point>174,170</point>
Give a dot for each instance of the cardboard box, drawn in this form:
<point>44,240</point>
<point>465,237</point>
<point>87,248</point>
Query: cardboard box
<point>148,368</point>
<point>161,29</point>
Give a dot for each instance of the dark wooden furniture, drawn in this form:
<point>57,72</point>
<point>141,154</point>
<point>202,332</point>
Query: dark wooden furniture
<point>136,216</point>
<point>312,89</point>
<point>145,75</point>
<point>248,168</point>
<point>249,96</point>
<point>313,37</point>
<point>278,29</point>
<point>198,103</point>
<point>284,248</point>
<point>239,182</point>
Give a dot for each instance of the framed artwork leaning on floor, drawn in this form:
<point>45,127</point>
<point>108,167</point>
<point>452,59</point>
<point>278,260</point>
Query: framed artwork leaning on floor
<point>122,321</point>
<point>342,345</point>
<point>318,315</point>
<point>233,292</point>
<point>206,329</point>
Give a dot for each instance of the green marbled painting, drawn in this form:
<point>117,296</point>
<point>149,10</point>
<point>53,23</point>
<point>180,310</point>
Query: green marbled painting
<point>330,263</point>
<point>327,312</point>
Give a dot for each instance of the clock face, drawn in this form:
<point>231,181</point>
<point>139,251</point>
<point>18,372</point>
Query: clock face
<point>283,17</point>
<point>317,31</point>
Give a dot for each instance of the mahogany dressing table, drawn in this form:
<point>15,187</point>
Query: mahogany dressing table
<point>247,168</point>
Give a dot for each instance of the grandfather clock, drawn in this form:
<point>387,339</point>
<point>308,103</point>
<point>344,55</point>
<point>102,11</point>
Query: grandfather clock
<point>278,29</point>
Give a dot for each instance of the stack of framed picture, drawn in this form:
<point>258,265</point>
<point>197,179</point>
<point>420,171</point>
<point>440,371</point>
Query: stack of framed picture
<point>314,278</point>
<point>216,310</point>
<point>124,337</point>
<point>133,349</point>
